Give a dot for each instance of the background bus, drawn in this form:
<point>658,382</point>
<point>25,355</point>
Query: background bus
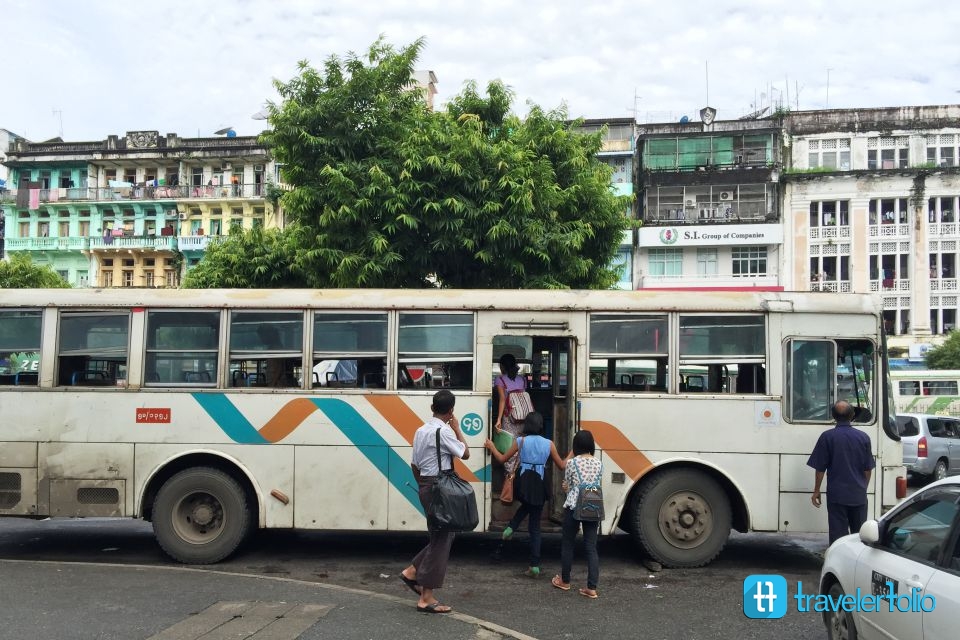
<point>214,413</point>
<point>935,391</point>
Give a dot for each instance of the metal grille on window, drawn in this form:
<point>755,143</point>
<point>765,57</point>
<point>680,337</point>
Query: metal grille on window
<point>887,142</point>
<point>948,245</point>
<point>889,303</point>
<point>905,302</point>
<point>98,495</point>
<point>871,143</point>
<point>844,143</point>
<point>904,247</point>
<point>888,247</point>
<point>813,145</point>
<point>10,490</point>
<point>874,247</point>
<point>949,301</point>
<point>946,139</point>
<point>830,250</point>
<point>934,301</point>
<point>814,249</point>
<point>845,248</point>
<point>829,144</point>
<point>931,139</point>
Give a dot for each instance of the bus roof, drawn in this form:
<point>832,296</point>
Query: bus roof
<point>451,299</point>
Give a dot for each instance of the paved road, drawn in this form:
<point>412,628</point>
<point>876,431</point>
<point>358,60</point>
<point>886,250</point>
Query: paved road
<point>357,575</point>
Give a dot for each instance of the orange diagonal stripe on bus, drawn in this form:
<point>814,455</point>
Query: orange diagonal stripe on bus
<point>287,419</point>
<point>406,422</point>
<point>617,446</point>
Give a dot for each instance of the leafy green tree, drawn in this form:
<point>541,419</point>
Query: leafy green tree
<point>19,272</point>
<point>946,355</point>
<point>386,193</point>
<point>251,259</point>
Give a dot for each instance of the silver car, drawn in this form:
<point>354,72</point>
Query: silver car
<point>931,444</point>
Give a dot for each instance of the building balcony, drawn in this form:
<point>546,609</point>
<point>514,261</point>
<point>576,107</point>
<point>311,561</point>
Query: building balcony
<point>889,285</point>
<point>194,243</point>
<point>47,244</point>
<point>714,281</point>
<point>155,243</point>
<point>828,232</point>
<point>110,194</point>
<point>733,214</point>
<point>943,228</point>
<point>889,230</point>
<point>943,284</point>
<point>830,287</point>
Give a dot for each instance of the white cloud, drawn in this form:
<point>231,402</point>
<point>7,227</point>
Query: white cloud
<point>190,66</point>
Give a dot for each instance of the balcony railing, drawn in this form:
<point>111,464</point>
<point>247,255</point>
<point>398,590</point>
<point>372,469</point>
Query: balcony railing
<point>107,194</point>
<point>159,243</point>
<point>888,230</point>
<point>943,228</point>
<point>712,215</point>
<point>889,284</point>
<point>831,287</point>
<point>943,284</point>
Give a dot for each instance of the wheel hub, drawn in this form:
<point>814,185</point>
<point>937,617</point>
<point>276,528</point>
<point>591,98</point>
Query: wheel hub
<point>203,515</point>
<point>685,520</point>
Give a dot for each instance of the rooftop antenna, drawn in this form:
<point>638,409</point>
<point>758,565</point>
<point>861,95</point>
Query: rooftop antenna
<point>829,69</point>
<point>636,102</point>
<point>59,112</point>
<point>706,68</point>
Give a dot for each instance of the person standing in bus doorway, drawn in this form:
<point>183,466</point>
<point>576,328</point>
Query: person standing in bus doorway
<point>429,567</point>
<point>583,468</point>
<point>533,451</point>
<point>843,454</point>
<point>506,382</point>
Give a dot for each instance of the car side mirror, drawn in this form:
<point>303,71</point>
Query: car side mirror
<point>870,532</point>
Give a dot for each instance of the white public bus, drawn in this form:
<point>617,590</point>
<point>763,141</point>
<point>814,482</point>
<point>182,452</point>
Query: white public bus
<point>212,413</point>
<point>935,391</point>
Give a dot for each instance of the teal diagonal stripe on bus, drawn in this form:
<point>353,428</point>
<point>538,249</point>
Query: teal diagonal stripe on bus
<point>365,437</point>
<point>229,418</point>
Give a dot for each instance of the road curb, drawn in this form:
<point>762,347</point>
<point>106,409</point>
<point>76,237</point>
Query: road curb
<point>462,617</point>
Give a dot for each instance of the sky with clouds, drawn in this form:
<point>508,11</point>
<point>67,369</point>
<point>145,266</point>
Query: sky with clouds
<point>194,66</point>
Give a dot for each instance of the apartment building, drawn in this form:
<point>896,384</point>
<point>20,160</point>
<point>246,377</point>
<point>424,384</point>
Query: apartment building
<point>618,150</point>
<point>871,199</point>
<point>135,210</point>
<point>710,205</point>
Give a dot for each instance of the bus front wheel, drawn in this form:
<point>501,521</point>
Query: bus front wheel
<point>201,516</point>
<point>682,517</point>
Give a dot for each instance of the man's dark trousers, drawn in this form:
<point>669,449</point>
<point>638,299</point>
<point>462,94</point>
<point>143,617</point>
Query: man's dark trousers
<point>843,519</point>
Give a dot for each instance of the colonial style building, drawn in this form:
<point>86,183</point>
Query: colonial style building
<point>871,200</point>
<point>134,210</point>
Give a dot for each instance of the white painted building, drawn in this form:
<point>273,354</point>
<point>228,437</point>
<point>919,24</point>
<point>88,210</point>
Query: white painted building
<point>871,199</point>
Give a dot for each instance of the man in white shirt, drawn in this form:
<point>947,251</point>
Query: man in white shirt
<point>429,567</point>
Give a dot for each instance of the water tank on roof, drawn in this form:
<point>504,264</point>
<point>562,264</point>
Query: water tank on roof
<point>684,120</point>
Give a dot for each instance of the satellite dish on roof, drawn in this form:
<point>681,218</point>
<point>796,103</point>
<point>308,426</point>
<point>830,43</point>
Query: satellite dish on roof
<point>263,114</point>
<point>226,131</point>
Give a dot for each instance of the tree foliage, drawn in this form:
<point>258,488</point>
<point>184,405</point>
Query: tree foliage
<point>386,193</point>
<point>253,259</point>
<point>19,272</point>
<point>946,355</point>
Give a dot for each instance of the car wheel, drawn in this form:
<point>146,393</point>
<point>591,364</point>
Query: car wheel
<point>201,516</point>
<point>839,624</point>
<point>940,470</point>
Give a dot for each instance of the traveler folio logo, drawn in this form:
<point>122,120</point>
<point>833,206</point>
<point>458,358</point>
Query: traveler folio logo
<point>765,596</point>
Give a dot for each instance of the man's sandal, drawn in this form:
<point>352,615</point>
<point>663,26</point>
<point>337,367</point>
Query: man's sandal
<point>558,583</point>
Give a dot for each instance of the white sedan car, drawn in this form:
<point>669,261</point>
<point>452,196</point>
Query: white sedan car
<point>901,574</point>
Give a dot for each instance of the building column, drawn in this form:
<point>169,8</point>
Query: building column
<point>920,271</point>
<point>859,246</point>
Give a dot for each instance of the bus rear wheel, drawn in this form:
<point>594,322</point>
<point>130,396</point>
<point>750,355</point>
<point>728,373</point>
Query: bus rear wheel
<point>682,518</point>
<point>201,516</point>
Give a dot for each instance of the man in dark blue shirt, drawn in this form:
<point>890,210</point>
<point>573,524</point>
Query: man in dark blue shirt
<point>844,454</point>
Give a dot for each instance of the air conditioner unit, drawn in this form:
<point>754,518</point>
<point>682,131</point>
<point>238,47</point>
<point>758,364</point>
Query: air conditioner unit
<point>690,203</point>
<point>258,167</point>
<point>172,213</point>
<point>226,166</point>
<point>183,216</point>
<point>726,195</point>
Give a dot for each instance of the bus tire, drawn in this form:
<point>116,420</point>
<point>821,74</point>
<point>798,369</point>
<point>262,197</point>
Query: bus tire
<point>201,516</point>
<point>682,518</point>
